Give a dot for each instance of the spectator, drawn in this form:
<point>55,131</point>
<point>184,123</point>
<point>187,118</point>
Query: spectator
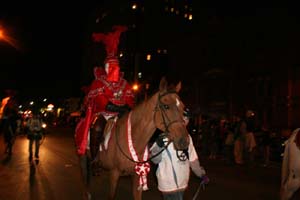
<point>35,132</point>
<point>173,173</point>
<point>229,144</point>
<point>239,140</point>
<point>266,143</point>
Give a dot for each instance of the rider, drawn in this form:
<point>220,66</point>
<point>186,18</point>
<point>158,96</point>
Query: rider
<point>109,95</point>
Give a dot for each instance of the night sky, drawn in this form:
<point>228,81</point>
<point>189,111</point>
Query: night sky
<point>51,40</point>
<point>45,57</point>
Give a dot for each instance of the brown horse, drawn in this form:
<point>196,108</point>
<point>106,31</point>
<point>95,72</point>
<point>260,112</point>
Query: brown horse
<point>127,148</point>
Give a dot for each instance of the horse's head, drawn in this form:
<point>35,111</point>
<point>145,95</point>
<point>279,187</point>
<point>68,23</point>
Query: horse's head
<point>169,115</point>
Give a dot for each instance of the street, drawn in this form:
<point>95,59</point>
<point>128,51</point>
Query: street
<point>57,176</point>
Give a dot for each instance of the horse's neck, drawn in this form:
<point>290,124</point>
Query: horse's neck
<point>142,122</point>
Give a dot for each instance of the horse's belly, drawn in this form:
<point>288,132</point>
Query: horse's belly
<point>108,162</point>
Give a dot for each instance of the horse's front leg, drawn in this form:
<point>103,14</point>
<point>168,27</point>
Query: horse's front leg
<point>137,194</point>
<point>114,178</point>
<point>85,175</point>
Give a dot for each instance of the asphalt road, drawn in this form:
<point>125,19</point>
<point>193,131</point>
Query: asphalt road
<point>57,176</point>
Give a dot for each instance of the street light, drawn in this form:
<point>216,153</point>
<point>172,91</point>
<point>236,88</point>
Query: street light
<point>1,34</point>
<point>7,38</point>
<point>135,87</point>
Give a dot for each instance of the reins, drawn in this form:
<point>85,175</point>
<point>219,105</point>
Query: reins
<point>139,162</point>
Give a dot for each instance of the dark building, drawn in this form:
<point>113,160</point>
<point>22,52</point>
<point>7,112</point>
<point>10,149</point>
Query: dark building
<point>229,59</point>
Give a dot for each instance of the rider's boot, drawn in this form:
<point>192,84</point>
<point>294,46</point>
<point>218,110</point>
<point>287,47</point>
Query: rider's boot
<point>96,137</point>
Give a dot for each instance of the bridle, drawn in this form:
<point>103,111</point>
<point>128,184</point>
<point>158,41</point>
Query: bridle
<point>162,108</point>
<point>181,155</point>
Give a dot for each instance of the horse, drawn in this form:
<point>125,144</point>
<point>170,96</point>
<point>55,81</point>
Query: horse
<point>127,149</point>
<point>290,172</point>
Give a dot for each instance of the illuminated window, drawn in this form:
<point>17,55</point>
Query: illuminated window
<point>134,6</point>
<point>190,17</point>
<point>148,57</point>
<point>147,86</point>
<point>140,74</point>
<point>172,10</point>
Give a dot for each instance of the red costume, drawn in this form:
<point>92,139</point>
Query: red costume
<point>108,90</point>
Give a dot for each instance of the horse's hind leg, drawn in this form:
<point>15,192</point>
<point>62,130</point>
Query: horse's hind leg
<point>137,193</point>
<point>114,178</point>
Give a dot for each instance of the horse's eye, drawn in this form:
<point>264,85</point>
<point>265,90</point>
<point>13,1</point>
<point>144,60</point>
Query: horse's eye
<point>166,107</point>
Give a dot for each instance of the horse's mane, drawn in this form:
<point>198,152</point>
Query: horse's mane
<point>149,104</point>
<point>139,109</point>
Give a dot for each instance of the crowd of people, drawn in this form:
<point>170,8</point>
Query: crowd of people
<point>237,141</point>
<point>12,124</point>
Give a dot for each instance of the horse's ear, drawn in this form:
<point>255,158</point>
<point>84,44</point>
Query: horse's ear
<point>163,84</point>
<point>178,87</point>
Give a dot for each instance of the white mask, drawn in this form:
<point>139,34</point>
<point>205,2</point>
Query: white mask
<point>106,66</point>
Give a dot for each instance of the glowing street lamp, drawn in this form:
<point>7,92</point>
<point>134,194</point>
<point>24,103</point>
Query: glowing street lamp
<point>135,87</point>
<point>7,38</point>
<point>1,34</point>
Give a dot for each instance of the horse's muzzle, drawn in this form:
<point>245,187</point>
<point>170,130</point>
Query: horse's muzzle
<point>182,143</point>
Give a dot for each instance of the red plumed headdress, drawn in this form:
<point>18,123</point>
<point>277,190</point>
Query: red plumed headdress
<point>111,42</point>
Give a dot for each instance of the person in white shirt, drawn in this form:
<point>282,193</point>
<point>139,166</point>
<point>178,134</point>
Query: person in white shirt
<point>35,132</point>
<point>172,173</point>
